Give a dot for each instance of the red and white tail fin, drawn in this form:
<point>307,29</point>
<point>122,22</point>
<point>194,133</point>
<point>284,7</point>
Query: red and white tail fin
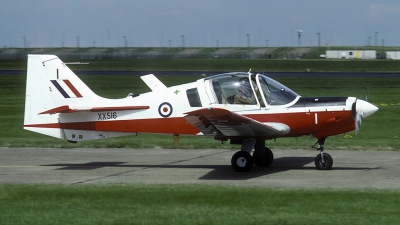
<point>50,84</point>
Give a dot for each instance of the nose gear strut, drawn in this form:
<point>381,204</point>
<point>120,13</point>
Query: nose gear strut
<point>323,161</point>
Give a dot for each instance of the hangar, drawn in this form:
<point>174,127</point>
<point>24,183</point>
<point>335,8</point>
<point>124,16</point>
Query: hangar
<point>393,55</point>
<point>350,54</point>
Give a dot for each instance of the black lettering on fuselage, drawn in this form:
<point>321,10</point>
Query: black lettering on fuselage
<point>107,116</point>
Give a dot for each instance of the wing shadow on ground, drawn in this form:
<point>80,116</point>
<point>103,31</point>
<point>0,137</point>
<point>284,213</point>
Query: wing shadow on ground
<point>279,165</point>
<point>219,172</point>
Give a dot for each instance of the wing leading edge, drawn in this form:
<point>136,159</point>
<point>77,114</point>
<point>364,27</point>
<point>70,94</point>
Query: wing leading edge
<point>217,121</point>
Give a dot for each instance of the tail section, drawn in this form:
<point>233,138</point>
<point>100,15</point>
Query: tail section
<point>52,86</point>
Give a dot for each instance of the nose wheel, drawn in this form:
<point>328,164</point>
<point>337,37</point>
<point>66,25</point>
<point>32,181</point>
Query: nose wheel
<point>323,161</point>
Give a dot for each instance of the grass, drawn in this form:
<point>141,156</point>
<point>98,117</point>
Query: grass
<point>193,204</point>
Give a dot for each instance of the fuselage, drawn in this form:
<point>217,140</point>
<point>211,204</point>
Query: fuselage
<point>166,109</point>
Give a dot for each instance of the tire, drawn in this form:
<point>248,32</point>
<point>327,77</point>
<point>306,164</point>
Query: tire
<point>326,165</point>
<point>242,161</point>
<point>264,161</point>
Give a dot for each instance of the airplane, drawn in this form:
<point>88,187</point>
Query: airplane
<point>242,107</point>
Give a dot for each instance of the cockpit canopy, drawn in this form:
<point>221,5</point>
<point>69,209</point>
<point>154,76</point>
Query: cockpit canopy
<point>247,88</point>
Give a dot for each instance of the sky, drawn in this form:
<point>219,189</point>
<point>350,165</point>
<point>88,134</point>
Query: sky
<point>198,23</point>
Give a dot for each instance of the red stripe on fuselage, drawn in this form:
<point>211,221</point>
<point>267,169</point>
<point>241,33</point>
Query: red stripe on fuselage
<point>301,123</point>
<point>329,122</point>
<point>44,125</point>
<point>161,125</point>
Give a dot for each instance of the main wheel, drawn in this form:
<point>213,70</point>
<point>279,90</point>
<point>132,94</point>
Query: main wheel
<point>261,161</point>
<point>326,165</point>
<point>242,161</point>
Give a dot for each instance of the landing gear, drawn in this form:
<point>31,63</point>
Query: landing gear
<point>263,161</point>
<point>242,161</point>
<point>323,161</point>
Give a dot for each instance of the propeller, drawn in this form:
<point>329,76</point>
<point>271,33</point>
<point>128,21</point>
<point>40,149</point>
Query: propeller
<point>358,119</point>
<point>360,110</point>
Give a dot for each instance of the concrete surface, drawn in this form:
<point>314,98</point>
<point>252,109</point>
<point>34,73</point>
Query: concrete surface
<point>291,168</point>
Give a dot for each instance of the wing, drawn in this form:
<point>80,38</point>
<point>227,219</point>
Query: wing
<point>216,121</point>
<point>67,109</point>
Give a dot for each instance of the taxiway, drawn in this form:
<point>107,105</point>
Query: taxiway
<point>290,169</point>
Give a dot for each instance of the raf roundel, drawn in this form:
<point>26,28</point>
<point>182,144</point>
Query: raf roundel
<point>165,109</point>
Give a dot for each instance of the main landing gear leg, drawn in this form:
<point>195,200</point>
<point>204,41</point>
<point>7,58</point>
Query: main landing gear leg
<point>323,161</point>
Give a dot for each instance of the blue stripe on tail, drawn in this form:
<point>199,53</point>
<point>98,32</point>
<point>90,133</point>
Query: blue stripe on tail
<point>60,89</point>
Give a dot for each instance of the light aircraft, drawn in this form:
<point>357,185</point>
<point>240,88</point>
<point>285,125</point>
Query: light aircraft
<point>244,108</point>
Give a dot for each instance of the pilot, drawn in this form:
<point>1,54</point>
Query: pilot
<point>244,93</point>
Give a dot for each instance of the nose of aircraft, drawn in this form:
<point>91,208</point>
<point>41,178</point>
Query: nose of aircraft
<point>365,107</point>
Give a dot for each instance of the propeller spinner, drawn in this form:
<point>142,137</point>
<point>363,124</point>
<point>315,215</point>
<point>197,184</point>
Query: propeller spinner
<point>362,109</point>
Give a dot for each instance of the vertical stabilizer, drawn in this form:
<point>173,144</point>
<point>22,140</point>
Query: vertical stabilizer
<point>51,84</point>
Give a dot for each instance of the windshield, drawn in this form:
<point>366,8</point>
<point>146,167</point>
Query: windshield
<point>274,92</point>
<point>249,89</point>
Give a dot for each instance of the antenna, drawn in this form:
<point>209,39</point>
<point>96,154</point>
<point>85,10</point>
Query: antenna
<point>74,63</point>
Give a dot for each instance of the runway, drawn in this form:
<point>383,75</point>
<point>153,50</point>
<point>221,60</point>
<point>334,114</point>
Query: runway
<point>290,169</point>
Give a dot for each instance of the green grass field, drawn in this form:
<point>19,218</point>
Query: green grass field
<point>190,204</point>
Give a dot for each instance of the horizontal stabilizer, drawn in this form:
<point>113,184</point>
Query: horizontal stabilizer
<point>67,109</point>
<point>61,109</point>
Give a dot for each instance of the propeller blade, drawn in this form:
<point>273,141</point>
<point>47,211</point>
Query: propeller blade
<point>358,120</point>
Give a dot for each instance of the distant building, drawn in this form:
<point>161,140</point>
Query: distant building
<point>393,55</point>
<point>350,54</point>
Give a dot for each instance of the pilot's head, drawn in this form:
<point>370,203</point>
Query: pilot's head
<point>244,87</point>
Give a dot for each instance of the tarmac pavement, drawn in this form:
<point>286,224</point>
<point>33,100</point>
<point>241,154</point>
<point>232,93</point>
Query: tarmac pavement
<point>290,169</point>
